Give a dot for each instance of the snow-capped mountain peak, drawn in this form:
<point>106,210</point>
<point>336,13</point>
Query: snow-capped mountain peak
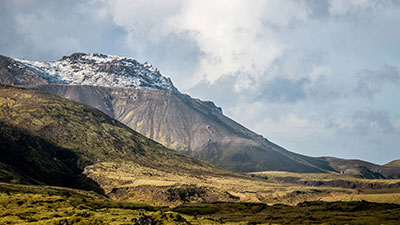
<point>100,70</point>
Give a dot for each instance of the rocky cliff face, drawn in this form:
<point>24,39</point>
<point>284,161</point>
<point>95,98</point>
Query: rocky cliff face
<point>13,72</point>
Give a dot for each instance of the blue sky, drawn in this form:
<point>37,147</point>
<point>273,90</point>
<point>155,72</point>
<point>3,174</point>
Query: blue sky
<point>317,77</point>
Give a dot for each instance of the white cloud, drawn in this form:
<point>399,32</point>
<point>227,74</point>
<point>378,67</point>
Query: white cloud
<point>144,19</point>
<point>342,7</point>
<point>370,82</point>
<point>234,35</point>
<point>238,35</point>
<point>318,72</point>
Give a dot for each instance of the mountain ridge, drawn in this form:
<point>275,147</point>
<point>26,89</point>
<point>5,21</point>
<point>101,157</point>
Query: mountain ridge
<point>100,70</point>
<point>394,163</point>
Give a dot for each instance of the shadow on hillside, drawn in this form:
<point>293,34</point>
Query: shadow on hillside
<point>28,159</point>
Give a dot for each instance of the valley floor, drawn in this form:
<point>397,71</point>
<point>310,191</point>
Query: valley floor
<point>29,204</point>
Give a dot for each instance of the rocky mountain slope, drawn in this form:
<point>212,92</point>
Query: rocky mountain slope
<point>191,126</point>
<point>13,72</point>
<point>159,111</point>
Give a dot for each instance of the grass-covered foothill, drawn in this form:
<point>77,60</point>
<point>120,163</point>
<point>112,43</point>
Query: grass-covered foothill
<point>394,163</point>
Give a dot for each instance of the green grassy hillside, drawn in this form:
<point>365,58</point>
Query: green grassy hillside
<point>29,159</point>
<point>394,163</point>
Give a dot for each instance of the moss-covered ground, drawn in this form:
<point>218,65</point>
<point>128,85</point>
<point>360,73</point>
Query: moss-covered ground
<point>28,204</point>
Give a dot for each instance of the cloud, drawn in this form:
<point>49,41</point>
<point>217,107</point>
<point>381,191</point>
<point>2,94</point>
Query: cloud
<point>237,87</point>
<point>343,8</point>
<point>366,122</point>
<point>151,36</point>
<point>231,36</point>
<point>318,9</point>
<point>315,87</point>
<point>284,90</point>
<point>371,82</point>
<point>176,54</point>
<point>234,36</point>
<point>222,91</point>
<point>47,30</point>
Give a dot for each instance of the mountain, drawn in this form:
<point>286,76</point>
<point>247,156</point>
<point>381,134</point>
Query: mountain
<point>13,72</point>
<point>190,126</point>
<point>46,139</point>
<point>99,70</point>
<point>49,140</point>
<point>153,107</point>
<point>394,163</point>
<point>363,169</point>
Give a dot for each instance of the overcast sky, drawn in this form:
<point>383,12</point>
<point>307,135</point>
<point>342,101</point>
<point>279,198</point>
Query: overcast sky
<point>317,77</point>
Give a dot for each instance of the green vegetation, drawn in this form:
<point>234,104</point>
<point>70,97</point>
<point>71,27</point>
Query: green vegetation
<point>28,204</point>
<point>328,179</point>
<point>394,163</point>
<point>289,176</point>
<point>29,159</point>
<point>373,190</point>
<point>54,205</point>
<point>304,213</point>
